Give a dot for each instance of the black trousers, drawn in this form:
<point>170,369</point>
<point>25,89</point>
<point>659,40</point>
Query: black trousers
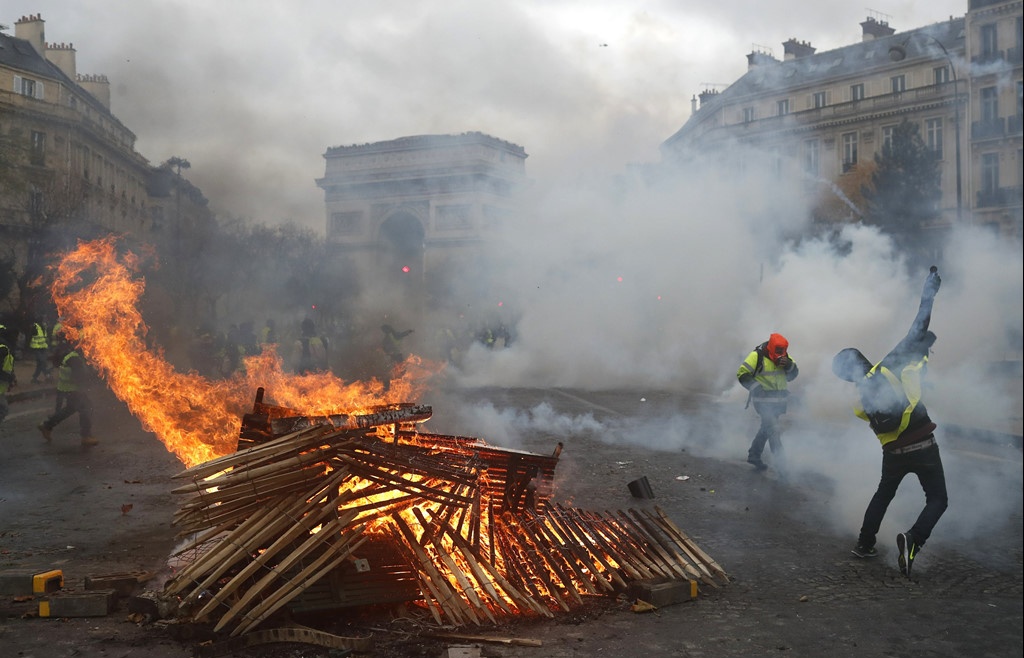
<point>927,466</point>
<point>74,402</point>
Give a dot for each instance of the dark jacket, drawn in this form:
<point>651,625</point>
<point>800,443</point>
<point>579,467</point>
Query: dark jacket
<point>890,392</point>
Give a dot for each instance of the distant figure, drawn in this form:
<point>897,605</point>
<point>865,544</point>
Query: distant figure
<point>268,335</point>
<point>40,349</point>
<point>311,350</point>
<point>247,339</point>
<point>7,377</point>
<point>890,400</point>
<point>203,351</point>
<point>72,376</point>
<point>391,345</point>
<point>766,373</point>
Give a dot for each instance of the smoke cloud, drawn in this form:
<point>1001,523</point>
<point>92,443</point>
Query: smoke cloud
<point>627,283</point>
<point>666,286</point>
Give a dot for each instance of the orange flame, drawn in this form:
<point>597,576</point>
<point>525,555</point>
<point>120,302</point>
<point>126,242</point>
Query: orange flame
<point>96,291</point>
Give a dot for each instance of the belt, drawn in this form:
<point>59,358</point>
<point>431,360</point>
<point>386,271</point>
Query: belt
<point>920,445</point>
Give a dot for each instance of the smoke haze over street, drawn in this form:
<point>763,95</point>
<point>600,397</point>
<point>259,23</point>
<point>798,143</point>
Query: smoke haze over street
<point>660,286</point>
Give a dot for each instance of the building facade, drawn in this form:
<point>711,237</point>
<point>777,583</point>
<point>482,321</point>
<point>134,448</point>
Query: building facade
<point>826,113</point>
<point>412,209</point>
<point>68,166</point>
<point>994,50</point>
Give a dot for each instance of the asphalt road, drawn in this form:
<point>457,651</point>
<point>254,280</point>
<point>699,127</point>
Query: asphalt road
<point>784,538</point>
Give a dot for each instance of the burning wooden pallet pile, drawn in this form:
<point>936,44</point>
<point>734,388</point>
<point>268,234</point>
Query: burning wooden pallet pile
<point>344,511</point>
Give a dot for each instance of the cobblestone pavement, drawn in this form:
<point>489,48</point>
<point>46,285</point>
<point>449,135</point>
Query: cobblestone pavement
<point>795,590</point>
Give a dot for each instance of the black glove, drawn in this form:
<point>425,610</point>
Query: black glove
<point>932,283</point>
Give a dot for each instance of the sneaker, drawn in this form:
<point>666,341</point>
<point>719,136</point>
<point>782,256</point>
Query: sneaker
<point>89,441</point>
<point>757,463</point>
<point>908,551</point>
<point>46,431</point>
<point>860,550</point>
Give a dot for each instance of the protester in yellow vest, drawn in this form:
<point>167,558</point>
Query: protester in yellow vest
<point>40,350</point>
<point>71,382</point>
<point>7,376</point>
<point>766,373</point>
<point>890,401</point>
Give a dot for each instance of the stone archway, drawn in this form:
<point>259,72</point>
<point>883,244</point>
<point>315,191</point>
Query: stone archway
<point>401,249</point>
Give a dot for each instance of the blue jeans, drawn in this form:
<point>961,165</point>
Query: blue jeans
<point>927,466</point>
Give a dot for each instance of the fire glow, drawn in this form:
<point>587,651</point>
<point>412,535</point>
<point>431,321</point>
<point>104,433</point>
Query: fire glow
<point>96,290</point>
<point>465,530</point>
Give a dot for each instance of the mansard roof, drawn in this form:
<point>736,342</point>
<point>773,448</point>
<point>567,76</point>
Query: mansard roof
<point>847,61</point>
<point>18,54</point>
<point>771,75</point>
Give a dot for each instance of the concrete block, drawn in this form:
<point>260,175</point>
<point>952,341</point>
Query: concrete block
<point>125,584</point>
<point>95,603</point>
<point>26,582</point>
<point>463,651</point>
<point>663,594</point>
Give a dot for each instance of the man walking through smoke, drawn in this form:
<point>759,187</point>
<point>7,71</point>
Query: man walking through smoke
<point>766,373</point>
<point>890,400</point>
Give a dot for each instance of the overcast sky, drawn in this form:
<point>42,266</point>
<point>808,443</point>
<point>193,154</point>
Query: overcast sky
<point>253,92</point>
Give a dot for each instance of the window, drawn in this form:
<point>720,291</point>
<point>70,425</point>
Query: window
<point>819,99</point>
<point>989,173</point>
<point>811,157</point>
<point>35,204</point>
<point>783,107</point>
<point>899,83</point>
<point>28,87</point>
<point>933,136</point>
<point>777,162</point>
<point>857,92</point>
<point>748,114</point>
<point>38,152</point>
<point>989,104</point>
<point>849,151</point>
<point>941,74</point>
<point>157,214</point>
<point>989,44</point>
<point>887,132</point>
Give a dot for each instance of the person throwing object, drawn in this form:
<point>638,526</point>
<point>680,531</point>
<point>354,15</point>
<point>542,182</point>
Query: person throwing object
<point>890,401</point>
<point>766,373</point>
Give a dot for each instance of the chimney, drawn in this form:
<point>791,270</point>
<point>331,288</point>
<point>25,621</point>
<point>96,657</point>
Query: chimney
<point>97,85</point>
<point>875,29</point>
<point>63,57</point>
<point>759,57</point>
<point>707,95</point>
<point>30,28</point>
<point>693,105</point>
<point>794,49</point>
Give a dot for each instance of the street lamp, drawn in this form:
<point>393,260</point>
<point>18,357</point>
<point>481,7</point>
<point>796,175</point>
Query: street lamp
<point>898,53</point>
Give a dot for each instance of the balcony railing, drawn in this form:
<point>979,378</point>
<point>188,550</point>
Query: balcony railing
<point>986,58</point>
<point>1000,197</point>
<point>927,94</point>
<point>988,129</point>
